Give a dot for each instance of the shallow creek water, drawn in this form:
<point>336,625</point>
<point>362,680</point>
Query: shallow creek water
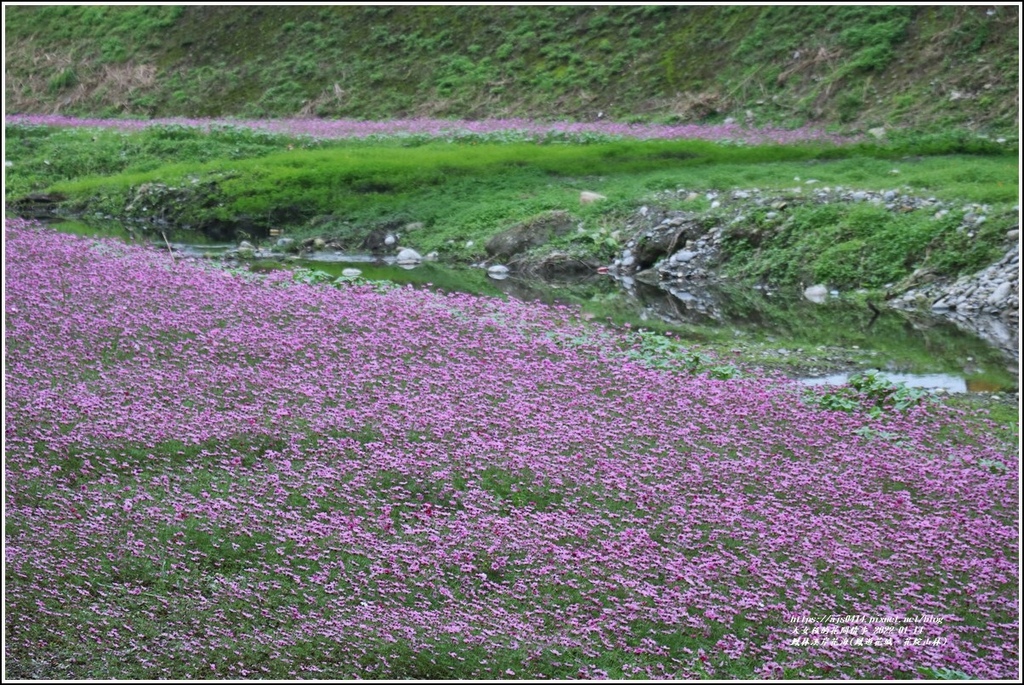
<point>820,343</point>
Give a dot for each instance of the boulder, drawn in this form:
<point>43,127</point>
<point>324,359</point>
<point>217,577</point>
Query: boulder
<point>587,197</point>
<point>816,293</point>
<point>351,273</point>
<point>683,256</point>
<point>1000,294</point>
<point>408,256</point>
<point>531,233</point>
<point>377,240</point>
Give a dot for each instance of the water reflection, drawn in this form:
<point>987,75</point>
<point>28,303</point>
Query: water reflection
<point>931,381</point>
<point>924,350</point>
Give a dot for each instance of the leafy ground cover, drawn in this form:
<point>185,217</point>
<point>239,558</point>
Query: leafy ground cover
<point>216,476</point>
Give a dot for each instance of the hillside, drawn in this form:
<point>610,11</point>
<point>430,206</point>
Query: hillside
<point>854,67</point>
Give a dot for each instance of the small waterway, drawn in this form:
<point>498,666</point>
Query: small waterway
<point>821,343</point>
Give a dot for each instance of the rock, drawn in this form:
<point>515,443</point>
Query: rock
<point>376,241</point>
<point>351,273</point>
<point>587,197</point>
<point>531,233</point>
<point>1013,234</point>
<point>628,261</point>
<point>648,276</point>
<point>414,226</point>
<point>498,272</point>
<point>285,243</point>
<point>408,256</point>
<point>431,257</point>
<point>878,132</point>
<point>683,256</point>
<point>319,243</point>
<point>246,245</point>
<point>469,244</point>
<point>390,240</point>
<point>1000,294</point>
<point>816,293</point>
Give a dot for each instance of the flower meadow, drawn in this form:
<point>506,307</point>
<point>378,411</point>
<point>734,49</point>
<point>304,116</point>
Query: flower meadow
<point>213,475</point>
<point>496,130</point>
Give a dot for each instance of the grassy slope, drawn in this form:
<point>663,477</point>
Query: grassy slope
<point>858,66</point>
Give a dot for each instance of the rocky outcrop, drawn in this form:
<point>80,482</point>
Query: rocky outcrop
<point>681,250</point>
<point>529,234</point>
<point>986,303</point>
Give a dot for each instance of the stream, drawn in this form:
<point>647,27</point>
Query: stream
<point>818,343</point>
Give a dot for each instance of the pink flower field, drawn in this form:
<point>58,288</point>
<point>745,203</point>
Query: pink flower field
<point>512,129</point>
<point>209,475</point>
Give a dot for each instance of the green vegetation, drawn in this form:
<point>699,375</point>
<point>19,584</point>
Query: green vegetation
<point>868,391</point>
<point>463,193</point>
<point>861,245</point>
<point>919,67</point>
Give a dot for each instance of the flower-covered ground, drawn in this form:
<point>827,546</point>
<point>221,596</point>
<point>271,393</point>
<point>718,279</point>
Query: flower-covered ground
<point>213,476</point>
<point>497,129</point>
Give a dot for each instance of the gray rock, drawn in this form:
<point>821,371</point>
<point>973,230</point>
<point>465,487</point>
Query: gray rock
<point>390,240</point>
<point>408,256</point>
<point>1013,234</point>
<point>285,243</point>
<point>497,269</point>
<point>683,256</point>
<point>351,273</point>
<point>628,261</point>
<point>531,233</point>
<point>319,243</point>
<point>1000,294</point>
<point>246,245</point>
<point>816,293</point>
